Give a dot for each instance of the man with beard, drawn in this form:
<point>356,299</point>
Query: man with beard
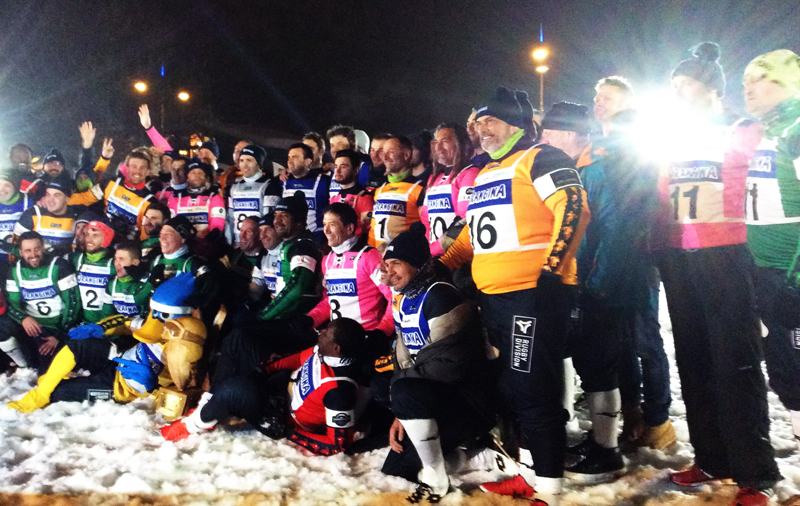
<point>154,218</point>
<point>200,201</point>
<point>397,202</point>
<point>43,303</point>
<point>341,137</point>
<point>126,198</point>
<point>95,268</point>
<point>52,167</point>
<point>312,182</point>
<point>377,173</point>
<point>449,187</point>
<point>525,218</point>
<point>55,220</point>
<point>345,174</point>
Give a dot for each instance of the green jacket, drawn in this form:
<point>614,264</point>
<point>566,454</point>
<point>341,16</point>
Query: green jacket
<point>128,297</point>
<point>48,293</point>
<point>94,271</point>
<point>299,285</point>
<point>772,203</point>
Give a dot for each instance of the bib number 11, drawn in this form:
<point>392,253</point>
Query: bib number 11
<point>691,195</point>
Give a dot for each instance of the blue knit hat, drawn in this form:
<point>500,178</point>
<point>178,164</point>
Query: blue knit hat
<point>170,297</point>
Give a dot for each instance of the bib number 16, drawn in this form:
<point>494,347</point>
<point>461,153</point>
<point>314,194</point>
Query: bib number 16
<point>484,233</point>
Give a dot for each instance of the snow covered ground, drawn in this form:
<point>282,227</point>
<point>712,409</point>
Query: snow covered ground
<point>106,448</point>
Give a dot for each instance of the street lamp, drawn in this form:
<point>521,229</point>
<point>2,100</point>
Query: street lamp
<point>539,55</point>
<point>140,86</point>
<point>183,96</point>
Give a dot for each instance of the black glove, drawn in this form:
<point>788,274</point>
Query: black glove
<point>787,307</point>
<point>137,271</point>
<point>442,272</point>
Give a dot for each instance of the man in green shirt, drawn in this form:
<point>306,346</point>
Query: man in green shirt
<point>95,268</point>
<point>772,215</point>
<point>154,218</point>
<point>175,256</point>
<point>43,302</point>
<point>129,293</point>
<point>282,327</point>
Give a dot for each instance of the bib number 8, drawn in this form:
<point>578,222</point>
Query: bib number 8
<point>239,220</point>
<point>485,233</point>
<point>335,306</point>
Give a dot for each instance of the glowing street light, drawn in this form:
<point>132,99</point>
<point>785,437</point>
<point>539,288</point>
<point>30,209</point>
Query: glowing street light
<point>140,86</point>
<point>539,55</point>
<point>183,96</point>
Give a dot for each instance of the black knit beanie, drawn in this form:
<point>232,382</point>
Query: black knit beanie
<point>569,117</point>
<point>504,106</point>
<point>703,67</point>
<point>410,246</point>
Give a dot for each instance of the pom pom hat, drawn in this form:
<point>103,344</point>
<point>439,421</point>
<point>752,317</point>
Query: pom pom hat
<point>703,67</point>
<point>410,246</point>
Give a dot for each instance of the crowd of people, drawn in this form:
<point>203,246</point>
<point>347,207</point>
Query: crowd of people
<point>430,292</point>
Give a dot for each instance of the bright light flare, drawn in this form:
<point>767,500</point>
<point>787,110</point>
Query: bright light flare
<point>140,86</point>
<point>539,54</point>
<point>656,125</point>
<point>183,96</point>
<point>542,69</point>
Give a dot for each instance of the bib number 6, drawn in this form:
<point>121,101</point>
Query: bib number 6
<point>484,233</point>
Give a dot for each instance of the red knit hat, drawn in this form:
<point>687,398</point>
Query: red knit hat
<point>108,232</point>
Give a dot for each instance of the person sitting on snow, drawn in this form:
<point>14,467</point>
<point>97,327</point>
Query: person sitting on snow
<point>43,303</point>
<point>130,375</point>
<point>323,398</point>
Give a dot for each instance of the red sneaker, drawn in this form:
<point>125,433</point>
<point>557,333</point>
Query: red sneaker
<point>692,477</point>
<point>175,431</point>
<point>749,496</point>
<point>516,486</point>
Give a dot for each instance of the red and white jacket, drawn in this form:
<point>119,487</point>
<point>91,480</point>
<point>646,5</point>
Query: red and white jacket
<point>323,397</point>
<point>362,203</point>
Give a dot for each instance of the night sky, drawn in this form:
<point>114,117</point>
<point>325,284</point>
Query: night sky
<point>293,66</point>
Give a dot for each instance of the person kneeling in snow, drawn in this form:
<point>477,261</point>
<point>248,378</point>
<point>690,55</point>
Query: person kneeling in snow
<point>324,395</point>
<point>131,374</point>
<point>440,390</point>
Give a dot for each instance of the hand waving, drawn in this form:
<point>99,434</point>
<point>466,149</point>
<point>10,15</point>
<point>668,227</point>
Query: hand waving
<point>144,117</point>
